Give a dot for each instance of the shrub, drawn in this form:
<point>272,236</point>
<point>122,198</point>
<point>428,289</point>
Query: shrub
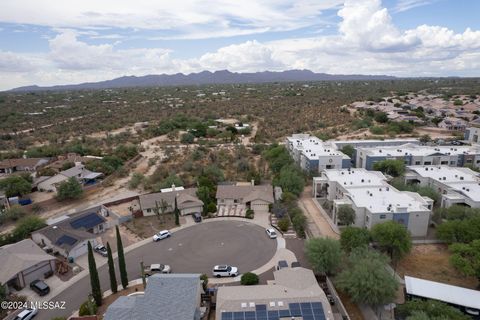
<point>249,214</point>
<point>249,279</point>
<point>284,223</point>
<point>70,189</point>
<point>136,180</point>
<point>88,308</point>
<point>299,222</point>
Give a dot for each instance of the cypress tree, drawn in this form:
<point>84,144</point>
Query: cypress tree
<point>121,260</point>
<point>111,270</point>
<point>94,280</point>
<point>177,213</point>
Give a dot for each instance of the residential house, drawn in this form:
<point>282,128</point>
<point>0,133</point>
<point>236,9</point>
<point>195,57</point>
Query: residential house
<point>294,294</point>
<point>71,157</point>
<point>187,201</point>
<point>167,297</point>
<point>453,124</point>
<point>373,199</point>
<point>69,234</point>
<point>456,185</point>
<point>22,263</point>
<point>410,154</point>
<point>9,166</point>
<point>79,172</point>
<point>472,133</point>
<point>256,198</point>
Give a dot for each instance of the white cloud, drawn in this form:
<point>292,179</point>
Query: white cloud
<point>405,5</point>
<point>213,18</point>
<point>367,42</point>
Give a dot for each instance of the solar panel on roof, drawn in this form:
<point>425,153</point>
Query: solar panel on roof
<point>66,240</point>
<point>87,222</point>
<point>306,310</point>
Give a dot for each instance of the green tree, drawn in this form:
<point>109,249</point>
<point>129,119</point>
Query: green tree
<point>187,138</point>
<point>94,279</point>
<point>26,226</point>
<point>70,189</point>
<point>284,224</point>
<point>14,213</point>
<point>393,238</point>
<point>15,186</point>
<point>248,279</point>
<point>394,168</point>
<point>349,150</point>
<point>432,309</point>
<point>353,237</point>
<point>111,269</point>
<point>365,278</point>
<point>121,260</point>
<point>381,117</point>
<point>346,215</point>
<point>172,179</point>
<point>425,138</point>
<point>464,231</point>
<point>136,180</point>
<point>466,258</point>
<point>323,254</point>
<point>299,222</point>
<point>176,212</point>
<point>204,279</point>
<point>290,179</point>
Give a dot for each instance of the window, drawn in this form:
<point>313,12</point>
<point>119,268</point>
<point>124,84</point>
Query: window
<point>444,162</point>
<point>427,163</point>
<point>149,210</point>
<point>452,162</point>
<point>383,216</point>
<point>469,161</point>
<point>417,163</point>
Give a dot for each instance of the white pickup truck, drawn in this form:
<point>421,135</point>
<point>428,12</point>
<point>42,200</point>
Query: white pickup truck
<point>156,268</point>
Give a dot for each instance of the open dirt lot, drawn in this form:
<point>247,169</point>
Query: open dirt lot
<point>431,262</point>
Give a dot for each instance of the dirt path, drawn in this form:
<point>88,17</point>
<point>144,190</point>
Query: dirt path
<point>313,212</point>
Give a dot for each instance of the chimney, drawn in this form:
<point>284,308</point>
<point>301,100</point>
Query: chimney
<point>173,187</point>
<point>252,182</point>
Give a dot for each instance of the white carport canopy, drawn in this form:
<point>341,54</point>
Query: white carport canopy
<point>443,292</point>
<point>16,257</point>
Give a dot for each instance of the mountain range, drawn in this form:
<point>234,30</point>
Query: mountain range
<point>206,77</point>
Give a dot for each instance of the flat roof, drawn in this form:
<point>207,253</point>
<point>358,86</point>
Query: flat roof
<point>355,177</point>
<point>313,147</point>
<point>443,292</point>
<point>386,199</point>
<point>417,150</point>
<point>446,174</point>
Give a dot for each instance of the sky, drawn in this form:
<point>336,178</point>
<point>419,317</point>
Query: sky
<point>48,42</point>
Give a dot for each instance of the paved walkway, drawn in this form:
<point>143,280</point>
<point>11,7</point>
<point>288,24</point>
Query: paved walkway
<point>313,213</point>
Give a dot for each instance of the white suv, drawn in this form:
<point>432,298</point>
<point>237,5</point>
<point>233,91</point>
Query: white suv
<point>271,233</point>
<point>225,271</point>
<point>161,235</point>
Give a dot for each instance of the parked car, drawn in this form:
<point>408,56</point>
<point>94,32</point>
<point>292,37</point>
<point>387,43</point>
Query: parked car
<point>27,314</point>
<point>161,235</point>
<point>157,268</point>
<point>40,287</point>
<point>282,264</point>
<point>225,271</point>
<point>197,217</point>
<point>271,233</point>
<point>101,250</point>
<point>295,264</point>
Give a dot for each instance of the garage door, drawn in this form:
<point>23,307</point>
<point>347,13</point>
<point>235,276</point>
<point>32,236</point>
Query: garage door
<point>36,272</point>
<point>81,249</point>
<point>260,207</point>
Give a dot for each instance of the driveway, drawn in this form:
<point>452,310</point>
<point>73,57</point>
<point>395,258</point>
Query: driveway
<point>191,250</point>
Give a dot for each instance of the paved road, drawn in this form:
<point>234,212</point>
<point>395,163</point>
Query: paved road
<point>195,249</point>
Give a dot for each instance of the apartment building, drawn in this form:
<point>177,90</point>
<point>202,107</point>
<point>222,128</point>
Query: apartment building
<point>458,186</point>
<point>315,155</point>
<point>373,199</point>
<point>411,154</point>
